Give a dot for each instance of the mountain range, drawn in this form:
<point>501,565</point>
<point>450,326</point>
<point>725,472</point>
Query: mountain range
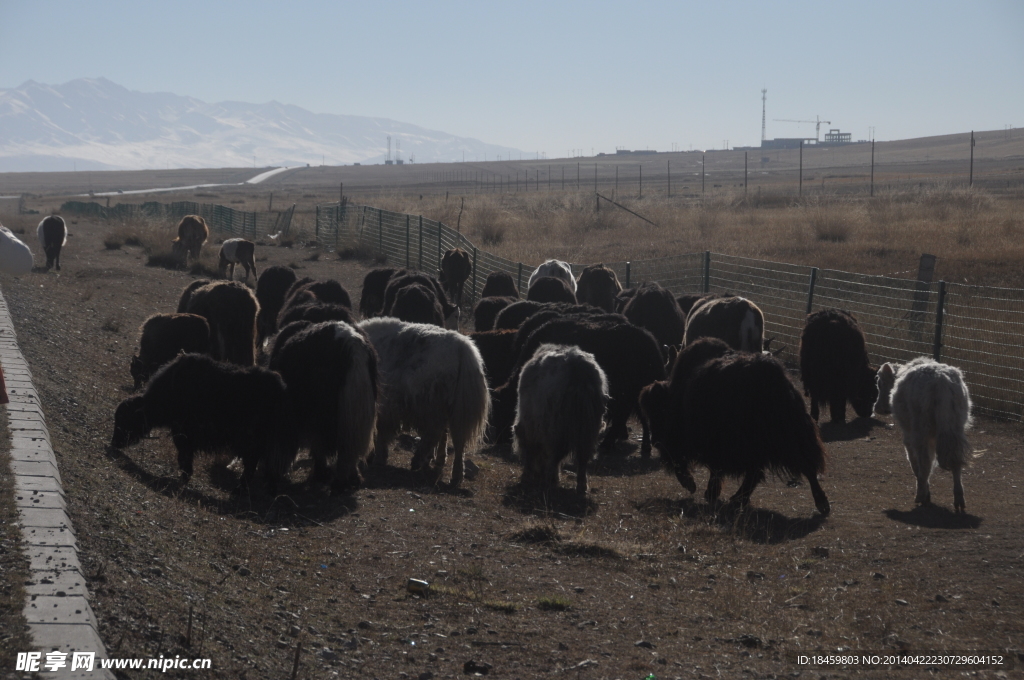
<point>96,124</point>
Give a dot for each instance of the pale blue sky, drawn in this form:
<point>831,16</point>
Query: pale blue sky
<point>555,76</point>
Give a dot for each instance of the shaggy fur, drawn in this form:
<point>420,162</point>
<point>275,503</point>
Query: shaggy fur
<point>15,255</point>
<point>431,380</point>
<point>307,289</point>
<point>237,251</point>
<point>192,234</point>
<point>550,289</point>
<point>315,311</point>
<point>209,406</point>
<point>186,294</point>
<point>449,311</point>
<point>563,394</point>
<point>495,349</point>
<point>598,285</point>
<point>557,269</point>
<point>486,311</point>
<point>629,356</point>
<point>53,234</point>
<point>735,320</point>
<point>330,371</point>
<point>736,414</point>
<point>834,365</point>
<point>557,311</point>
<point>271,288</point>
<point>654,308</point>
<point>163,337</point>
<point>456,266</point>
<point>623,298</point>
<point>500,284</point>
<point>231,309</point>
<point>930,404</point>
<point>375,283</point>
<point>417,304</point>
<point>516,313</point>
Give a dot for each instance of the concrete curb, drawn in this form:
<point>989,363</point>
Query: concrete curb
<point>57,610</point>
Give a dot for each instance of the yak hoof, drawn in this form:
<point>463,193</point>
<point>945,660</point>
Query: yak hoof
<point>824,507</point>
<point>687,481</point>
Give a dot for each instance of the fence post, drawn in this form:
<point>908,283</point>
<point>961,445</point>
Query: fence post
<point>439,228</point>
<point>420,267</point>
<point>519,281</point>
<point>380,230</point>
<point>707,271</point>
<point>406,241</point>
<point>810,288</point>
<point>317,228</point>
<point>627,274</point>
<point>474,272</point>
<point>937,349</point>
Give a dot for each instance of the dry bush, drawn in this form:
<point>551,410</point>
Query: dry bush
<point>487,221</point>
<point>829,218</point>
<point>707,213</point>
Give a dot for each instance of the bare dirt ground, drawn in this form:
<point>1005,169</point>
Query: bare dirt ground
<point>640,580</point>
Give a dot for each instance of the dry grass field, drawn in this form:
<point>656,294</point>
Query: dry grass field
<point>640,580</point>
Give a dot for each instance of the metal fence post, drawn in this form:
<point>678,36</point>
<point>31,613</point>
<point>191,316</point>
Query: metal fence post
<point>627,274</point>
<point>440,226</point>
<point>519,281</point>
<point>937,348</point>
<point>421,244</point>
<point>406,241</point>
<point>706,284</point>
<point>810,288</point>
<point>474,272</point>
<point>317,227</point>
<point>380,230</point>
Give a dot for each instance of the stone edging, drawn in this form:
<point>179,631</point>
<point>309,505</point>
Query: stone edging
<point>57,608</point>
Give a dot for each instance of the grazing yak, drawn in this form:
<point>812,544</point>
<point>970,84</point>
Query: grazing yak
<point>433,381</point>
<point>598,285</point>
<point>209,406</point>
<point>271,288</point>
<point>735,320</point>
<point>557,311</point>
<point>499,284</point>
<point>375,283</point>
<point>456,266</point>
<point>165,336</point>
<point>563,394</point>
<point>486,311</point>
<point>557,269</point>
<point>192,234</point>
<point>237,251</point>
<point>53,234</point>
<point>550,289</point>
<point>653,307</point>
<point>15,255</point>
<point>186,294</point>
<point>496,350</point>
<point>930,404</point>
<point>399,281</point>
<point>834,365</point>
<point>307,289</point>
<point>738,415</point>
<point>231,309</point>
<point>629,356</point>
<point>330,372</point>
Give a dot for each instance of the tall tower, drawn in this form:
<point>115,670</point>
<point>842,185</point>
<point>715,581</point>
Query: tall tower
<point>764,98</point>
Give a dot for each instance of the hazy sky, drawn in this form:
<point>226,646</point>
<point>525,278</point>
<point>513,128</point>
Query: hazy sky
<point>554,76</point>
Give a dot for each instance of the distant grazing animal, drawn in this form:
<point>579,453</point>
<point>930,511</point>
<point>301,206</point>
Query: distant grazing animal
<point>165,336</point>
<point>562,399</point>
<point>53,234</point>
<point>192,234</point>
<point>231,309</point>
<point>270,291</point>
<point>499,284</point>
<point>209,406</point>
<point>629,356</point>
<point>736,414</point>
<point>375,283</point>
<point>237,251</point>
<point>186,294</point>
<point>486,311</point>
<point>930,404</point>
<point>834,365</point>
<point>401,280</point>
<point>330,370</point>
<point>556,268</point>
<point>495,349</point>
<point>654,308</point>
<point>417,304</point>
<point>598,285</point>
<point>735,320</point>
<point>15,255</point>
<point>550,289</point>
<point>431,380</point>
<point>456,266</point>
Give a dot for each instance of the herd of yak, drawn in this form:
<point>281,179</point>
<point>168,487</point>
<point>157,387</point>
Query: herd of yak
<point>294,366</point>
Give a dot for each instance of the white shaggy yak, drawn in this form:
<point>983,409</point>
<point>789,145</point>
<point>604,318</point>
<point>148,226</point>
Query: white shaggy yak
<point>15,255</point>
<point>431,380</point>
<point>930,404</point>
<point>563,394</point>
<point>556,268</point>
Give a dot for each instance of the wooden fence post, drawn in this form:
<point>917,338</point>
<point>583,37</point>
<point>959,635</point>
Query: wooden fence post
<point>937,346</point>
<point>810,288</point>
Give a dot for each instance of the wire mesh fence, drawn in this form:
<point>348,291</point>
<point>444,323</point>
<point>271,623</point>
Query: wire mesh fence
<point>979,329</point>
<point>219,218</point>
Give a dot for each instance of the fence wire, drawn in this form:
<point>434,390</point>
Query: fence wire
<point>981,331</point>
<point>219,218</point>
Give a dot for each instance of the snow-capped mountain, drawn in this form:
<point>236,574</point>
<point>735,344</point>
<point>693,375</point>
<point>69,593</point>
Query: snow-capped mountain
<point>95,124</point>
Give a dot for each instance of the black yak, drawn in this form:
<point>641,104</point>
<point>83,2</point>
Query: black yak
<point>53,234</point>
<point>834,365</point>
<point>165,336</point>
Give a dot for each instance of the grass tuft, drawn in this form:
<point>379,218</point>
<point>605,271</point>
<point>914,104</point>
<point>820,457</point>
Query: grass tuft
<point>554,604</point>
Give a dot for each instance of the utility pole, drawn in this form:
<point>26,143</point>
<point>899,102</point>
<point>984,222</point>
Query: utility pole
<point>971,181</point>
<point>801,189</point>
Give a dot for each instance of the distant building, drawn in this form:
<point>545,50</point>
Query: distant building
<point>836,137</point>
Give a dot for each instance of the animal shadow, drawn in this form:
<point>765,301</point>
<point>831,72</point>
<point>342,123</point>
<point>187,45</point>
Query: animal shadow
<point>562,502</point>
<point>757,525</point>
<point>934,517</point>
<point>858,428</point>
<point>391,477</point>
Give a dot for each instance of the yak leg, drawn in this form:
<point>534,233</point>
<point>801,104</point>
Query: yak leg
<point>958,492</point>
<point>750,482</point>
<point>814,408</point>
<point>837,409</point>
<point>685,478</point>
<point>322,472</point>
<point>185,454</point>
<point>645,441</point>
<point>714,489</point>
<point>921,463</point>
<point>459,462</point>
<point>385,433</point>
<point>820,499</point>
<point>582,483</point>
<point>426,451</point>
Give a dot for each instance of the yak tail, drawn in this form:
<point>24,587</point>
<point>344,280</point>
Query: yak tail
<point>952,417</point>
<point>582,418</point>
<point>471,404</point>
<point>357,408</point>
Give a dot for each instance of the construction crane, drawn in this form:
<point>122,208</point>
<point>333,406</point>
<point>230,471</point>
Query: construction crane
<point>817,127</point>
